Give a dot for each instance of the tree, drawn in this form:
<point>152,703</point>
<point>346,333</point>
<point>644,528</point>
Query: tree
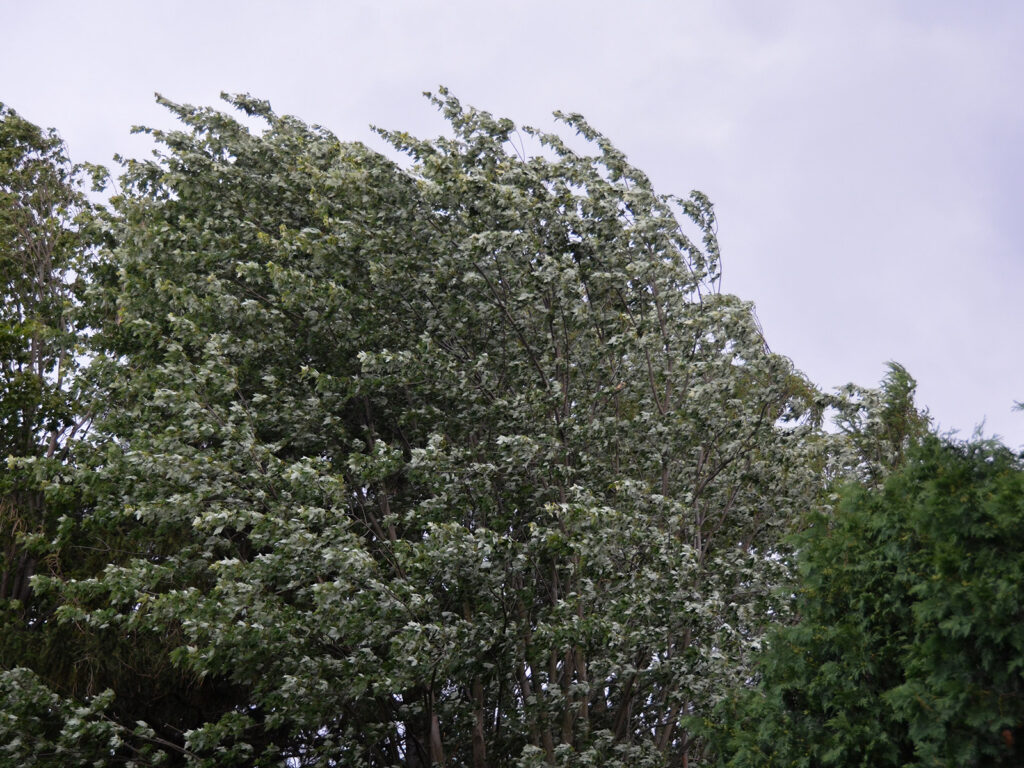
<point>467,463</point>
<point>908,649</point>
<point>876,427</point>
<point>47,231</point>
<point>41,243</point>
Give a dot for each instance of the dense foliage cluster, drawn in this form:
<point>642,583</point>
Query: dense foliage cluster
<point>465,461</point>
<point>909,650</point>
<point>45,237</point>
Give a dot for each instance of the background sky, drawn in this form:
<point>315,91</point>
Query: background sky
<point>866,158</point>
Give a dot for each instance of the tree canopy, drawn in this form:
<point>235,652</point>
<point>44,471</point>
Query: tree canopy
<point>463,460</point>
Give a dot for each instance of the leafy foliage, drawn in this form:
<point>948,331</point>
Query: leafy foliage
<point>41,242</point>
<point>908,650</point>
<point>877,427</point>
<point>466,463</point>
<point>47,232</point>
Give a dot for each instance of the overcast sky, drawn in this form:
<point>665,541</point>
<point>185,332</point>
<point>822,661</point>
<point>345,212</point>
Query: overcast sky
<point>866,158</point>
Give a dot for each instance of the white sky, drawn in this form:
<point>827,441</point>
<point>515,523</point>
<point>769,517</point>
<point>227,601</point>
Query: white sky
<point>865,157</point>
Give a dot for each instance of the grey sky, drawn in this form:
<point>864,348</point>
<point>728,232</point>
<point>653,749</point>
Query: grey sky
<point>866,159</point>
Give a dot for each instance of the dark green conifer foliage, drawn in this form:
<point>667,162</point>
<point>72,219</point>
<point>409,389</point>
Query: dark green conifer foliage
<point>909,644</point>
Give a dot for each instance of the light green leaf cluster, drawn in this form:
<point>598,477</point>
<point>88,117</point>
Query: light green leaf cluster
<point>876,427</point>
